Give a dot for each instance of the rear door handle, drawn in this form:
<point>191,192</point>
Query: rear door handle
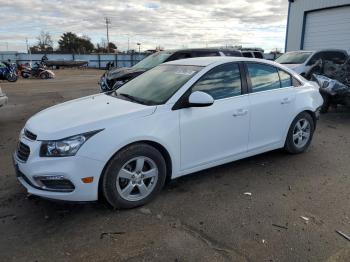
<point>285,100</point>
<point>240,112</point>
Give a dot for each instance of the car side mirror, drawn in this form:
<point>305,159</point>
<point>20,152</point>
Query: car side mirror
<point>200,99</point>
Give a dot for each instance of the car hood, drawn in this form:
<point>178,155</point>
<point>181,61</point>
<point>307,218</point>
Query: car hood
<point>83,115</point>
<point>123,72</point>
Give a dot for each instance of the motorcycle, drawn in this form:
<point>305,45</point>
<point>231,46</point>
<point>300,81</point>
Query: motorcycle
<point>8,72</point>
<point>38,71</point>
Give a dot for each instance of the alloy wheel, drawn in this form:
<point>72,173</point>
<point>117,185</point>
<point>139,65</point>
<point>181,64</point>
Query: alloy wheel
<point>301,133</point>
<point>137,178</point>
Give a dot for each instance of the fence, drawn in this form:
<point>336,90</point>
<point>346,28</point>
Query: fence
<point>94,60</point>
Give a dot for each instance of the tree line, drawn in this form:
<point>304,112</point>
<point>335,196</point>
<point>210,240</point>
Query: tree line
<point>69,43</point>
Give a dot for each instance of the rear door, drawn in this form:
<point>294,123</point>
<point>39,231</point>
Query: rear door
<point>271,104</point>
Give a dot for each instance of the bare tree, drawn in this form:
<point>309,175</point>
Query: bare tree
<point>45,42</point>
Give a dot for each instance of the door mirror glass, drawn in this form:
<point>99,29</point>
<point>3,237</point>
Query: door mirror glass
<point>200,99</point>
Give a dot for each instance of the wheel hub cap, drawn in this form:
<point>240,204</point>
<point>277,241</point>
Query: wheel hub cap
<point>301,133</point>
<point>137,178</point>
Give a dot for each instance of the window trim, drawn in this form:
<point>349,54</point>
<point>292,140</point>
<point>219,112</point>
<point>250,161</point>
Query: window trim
<point>182,101</point>
<point>294,80</point>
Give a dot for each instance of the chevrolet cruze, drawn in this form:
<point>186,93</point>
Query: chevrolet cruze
<point>178,118</point>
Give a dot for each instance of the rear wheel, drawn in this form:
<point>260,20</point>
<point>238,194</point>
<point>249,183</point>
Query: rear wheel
<point>134,176</point>
<point>300,134</point>
<point>44,75</point>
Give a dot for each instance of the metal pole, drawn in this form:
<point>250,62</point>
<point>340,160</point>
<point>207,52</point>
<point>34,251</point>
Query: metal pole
<point>108,21</point>
<point>128,43</point>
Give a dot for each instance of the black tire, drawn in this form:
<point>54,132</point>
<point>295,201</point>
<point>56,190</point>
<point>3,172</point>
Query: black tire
<point>25,74</point>
<point>12,77</point>
<point>290,145</point>
<point>44,75</point>
<point>109,179</point>
<point>326,103</point>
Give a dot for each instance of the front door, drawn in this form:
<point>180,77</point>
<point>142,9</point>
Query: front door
<point>213,133</point>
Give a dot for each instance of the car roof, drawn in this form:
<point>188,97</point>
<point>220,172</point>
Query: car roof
<point>201,49</point>
<point>206,61</point>
<point>320,50</point>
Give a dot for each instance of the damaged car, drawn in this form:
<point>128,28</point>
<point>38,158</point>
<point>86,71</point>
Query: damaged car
<point>116,77</point>
<point>334,82</point>
<point>301,61</point>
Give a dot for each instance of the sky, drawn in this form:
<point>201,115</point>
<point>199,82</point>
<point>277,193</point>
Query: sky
<point>166,23</point>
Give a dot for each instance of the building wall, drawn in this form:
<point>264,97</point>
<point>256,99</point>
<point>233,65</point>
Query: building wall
<point>296,18</point>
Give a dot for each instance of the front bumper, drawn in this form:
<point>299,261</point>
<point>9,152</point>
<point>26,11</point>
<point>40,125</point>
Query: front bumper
<point>72,169</point>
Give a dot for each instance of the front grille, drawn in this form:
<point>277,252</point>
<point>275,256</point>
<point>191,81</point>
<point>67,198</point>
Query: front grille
<point>30,135</point>
<point>23,151</point>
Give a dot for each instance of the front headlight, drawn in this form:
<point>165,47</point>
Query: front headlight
<point>65,147</point>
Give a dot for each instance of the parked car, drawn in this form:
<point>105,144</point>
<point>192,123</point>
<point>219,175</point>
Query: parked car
<point>116,77</point>
<point>3,98</point>
<point>178,118</point>
<point>301,61</point>
<point>8,72</point>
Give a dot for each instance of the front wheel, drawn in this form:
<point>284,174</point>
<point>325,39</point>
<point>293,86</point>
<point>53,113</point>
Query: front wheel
<point>300,134</point>
<point>12,77</point>
<point>134,176</point>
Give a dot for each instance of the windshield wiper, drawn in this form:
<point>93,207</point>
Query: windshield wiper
<point>131,98</point>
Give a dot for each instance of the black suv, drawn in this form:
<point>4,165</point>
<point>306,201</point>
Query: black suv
<point>116,77</point>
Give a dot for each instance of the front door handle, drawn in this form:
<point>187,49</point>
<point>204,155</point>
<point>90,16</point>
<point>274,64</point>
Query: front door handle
<point>240,112</point>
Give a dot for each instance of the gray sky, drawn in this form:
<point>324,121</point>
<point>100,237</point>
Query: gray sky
<point>168,23</point>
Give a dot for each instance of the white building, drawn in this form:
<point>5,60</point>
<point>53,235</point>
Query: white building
<point>318,24</point>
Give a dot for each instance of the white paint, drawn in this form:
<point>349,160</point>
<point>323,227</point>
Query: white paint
<point>196,138</point>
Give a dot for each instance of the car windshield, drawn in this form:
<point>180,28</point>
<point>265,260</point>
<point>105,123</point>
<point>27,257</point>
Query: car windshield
<point>153,60</point>
<point>156,86</point>
<point>293,58</point>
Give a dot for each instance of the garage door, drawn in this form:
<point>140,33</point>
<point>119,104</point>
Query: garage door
<point>328,29</point>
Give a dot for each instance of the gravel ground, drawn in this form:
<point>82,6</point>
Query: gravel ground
<point>202,217</point>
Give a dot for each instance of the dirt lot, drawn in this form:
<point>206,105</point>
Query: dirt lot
<point>202,217</point>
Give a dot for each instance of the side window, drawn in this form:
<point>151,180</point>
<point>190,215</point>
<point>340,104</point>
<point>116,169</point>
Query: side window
<point>179,55</point>
<point>206,53</point>
<point>232,53</point>
<point>247,54</point>
<point>286,79</point>
<point>258,55</point>
<point>221,82</point>
<point>263,77</point>
<point>335,57</point>
<point>314,58</point>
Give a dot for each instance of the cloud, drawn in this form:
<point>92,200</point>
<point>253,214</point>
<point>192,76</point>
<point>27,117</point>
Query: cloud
<point>168,23</point>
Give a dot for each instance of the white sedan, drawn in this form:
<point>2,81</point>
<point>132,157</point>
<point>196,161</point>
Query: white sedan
<point>176,119</point>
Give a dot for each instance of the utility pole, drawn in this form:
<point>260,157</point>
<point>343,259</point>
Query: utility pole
<point>128,43</point>
<point>108,22</point>
<point>27,45</point>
